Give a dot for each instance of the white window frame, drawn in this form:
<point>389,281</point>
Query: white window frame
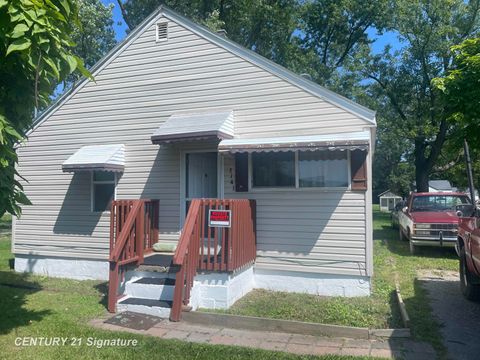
<point>94,182</point>
<point>297,187</point>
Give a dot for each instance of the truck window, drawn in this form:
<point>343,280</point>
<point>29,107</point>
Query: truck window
<point>438,203</point>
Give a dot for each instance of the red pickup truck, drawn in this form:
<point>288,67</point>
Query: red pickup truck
<point>430,219</point>
<point>468,249</point>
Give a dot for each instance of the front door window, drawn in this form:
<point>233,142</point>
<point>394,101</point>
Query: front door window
<point>200,176</point>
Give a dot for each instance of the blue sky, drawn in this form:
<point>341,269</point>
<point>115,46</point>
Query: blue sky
<point>377,46</point>
<point>119,25</point>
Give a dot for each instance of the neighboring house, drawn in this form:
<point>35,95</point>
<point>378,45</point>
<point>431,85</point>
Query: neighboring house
<point>388,200</point>
<point>440,186</point>
<point>177,112</point>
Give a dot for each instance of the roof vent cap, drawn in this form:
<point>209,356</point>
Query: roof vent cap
<point>162,31</point>
<point>222,33</point>
<point>306,76</point>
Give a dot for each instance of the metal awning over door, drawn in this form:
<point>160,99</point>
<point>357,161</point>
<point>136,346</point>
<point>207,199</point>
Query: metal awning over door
<point>195,126</point>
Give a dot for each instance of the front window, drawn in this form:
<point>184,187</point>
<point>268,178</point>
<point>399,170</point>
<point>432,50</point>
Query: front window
<point>273,169</point>
<point>300,169</point>
<point>438,202</point>
<point>323,169</point>
<point>103,189</point>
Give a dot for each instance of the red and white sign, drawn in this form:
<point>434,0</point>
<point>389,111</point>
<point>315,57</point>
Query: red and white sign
<point>219,218</point>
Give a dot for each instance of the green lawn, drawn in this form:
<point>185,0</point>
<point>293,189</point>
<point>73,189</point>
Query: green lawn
<point>379,310</point>
<point>5,223</point>
<point>34,306</point>
<point>388,252</point>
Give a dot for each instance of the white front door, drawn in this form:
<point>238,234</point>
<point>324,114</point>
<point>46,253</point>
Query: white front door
<point>201,177</point>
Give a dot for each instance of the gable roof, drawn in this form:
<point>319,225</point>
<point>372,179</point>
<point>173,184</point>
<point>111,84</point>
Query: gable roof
<point>229,45</point>
<point>386,192</point>
<point>440,184</point>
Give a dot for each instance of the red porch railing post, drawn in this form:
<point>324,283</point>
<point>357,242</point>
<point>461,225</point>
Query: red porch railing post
<point>178,294</point>
<point>140,232</point>
<point>113,287</point>
<point>156,216</point>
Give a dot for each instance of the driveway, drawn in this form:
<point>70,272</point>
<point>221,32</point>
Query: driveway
<point>460,318</point>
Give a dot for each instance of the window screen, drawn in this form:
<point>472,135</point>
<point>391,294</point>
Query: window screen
<point>323,169</point>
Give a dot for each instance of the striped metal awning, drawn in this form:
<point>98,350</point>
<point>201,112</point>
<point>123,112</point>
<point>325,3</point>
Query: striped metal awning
<point>341,141</point>
<point>97,157</point>
<point>195,126</point>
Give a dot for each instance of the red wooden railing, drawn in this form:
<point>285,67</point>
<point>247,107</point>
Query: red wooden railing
<point>133,232</point>
<point>212,248</point>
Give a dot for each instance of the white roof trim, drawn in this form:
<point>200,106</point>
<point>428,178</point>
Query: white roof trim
<point>225,43</point>
<point>342,141</point>
<point>97,157</point>
<point>218,124</point>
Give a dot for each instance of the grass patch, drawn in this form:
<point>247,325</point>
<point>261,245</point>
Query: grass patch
<point>5,223</point>
<point>377,311</point>
<point>390,250</point>
<point>362,311</point>
<point>48,307</point>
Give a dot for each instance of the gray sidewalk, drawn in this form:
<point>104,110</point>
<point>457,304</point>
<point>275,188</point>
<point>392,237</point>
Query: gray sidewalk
<point>292,343</point>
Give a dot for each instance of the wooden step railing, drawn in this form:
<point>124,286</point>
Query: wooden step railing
<point>133,232</point>
<point>201,247</point>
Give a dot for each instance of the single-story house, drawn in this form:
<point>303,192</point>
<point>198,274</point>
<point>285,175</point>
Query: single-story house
<point>440,186</point>
<point>388,200</point>
<point>260,177</point>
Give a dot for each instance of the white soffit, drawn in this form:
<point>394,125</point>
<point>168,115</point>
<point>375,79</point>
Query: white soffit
<point>97,157</point>
<point>342,141</point>
<point>195,126</point>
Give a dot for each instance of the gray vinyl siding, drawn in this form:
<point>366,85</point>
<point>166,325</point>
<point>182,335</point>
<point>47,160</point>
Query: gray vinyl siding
<point>314,230</point>
<point>136,92</point>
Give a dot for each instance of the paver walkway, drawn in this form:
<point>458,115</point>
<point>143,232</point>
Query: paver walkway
<point>292,343</point>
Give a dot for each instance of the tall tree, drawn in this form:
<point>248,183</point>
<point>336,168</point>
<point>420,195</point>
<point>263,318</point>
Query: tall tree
<point>461,89</point>
<point>460,93</point>
<point>426,30</point>
<point>333,38</point>
<point>94,36</point>
<point>35,55</point>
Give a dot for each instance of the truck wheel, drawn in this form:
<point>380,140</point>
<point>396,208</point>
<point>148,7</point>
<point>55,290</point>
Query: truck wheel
<point>468,281</point>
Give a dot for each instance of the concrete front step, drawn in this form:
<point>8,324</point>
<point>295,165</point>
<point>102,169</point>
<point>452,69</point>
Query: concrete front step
<point>160,308</point>
<point>133,275</point>
<point>154,288</point>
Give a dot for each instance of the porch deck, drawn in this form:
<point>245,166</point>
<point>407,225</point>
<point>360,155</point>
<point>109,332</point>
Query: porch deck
<point>201,247</point>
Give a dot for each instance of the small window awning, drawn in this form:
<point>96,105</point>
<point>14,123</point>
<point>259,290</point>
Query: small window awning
<point>195,126</point>
<point>97,157</point>
<point>341,141</point>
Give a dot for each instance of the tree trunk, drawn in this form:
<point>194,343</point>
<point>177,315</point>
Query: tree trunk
<point>422,171</point>
<point>423,163</point>
<point>421,179</point>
